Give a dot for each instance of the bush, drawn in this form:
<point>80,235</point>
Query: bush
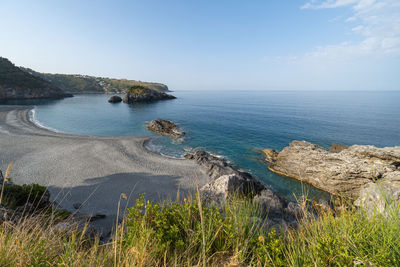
<point>186,233</point>
<point>18,195</point>
<point>137,90</point>
<point>177,231</point>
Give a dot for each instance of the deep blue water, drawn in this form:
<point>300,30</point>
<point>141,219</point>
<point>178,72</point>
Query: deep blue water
<point>238,125</point>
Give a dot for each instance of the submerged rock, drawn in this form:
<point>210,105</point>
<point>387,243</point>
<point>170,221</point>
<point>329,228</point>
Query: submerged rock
<point>114,99</point>
<point>341,173</point>
<point>143,94</point>
<point>164,127</point>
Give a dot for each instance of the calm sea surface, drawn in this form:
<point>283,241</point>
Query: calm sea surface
<point>237,125</point>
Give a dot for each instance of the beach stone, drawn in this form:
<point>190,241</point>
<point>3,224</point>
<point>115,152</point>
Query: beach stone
<point>342,173</point>
<point>97,216</point>
<point>77,205</point>
<point>114,99</point>
<point>164,127</point>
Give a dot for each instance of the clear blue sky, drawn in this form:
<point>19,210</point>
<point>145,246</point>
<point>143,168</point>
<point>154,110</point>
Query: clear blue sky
<point>209,45</point>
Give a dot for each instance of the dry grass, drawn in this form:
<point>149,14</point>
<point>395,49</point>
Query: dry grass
<point>189,234</point>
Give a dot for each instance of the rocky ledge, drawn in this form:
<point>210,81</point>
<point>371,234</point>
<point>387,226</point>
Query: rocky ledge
<point>225,181</point>
<point>344,171</point>
<point>164,127</point>
<point>143,94</point>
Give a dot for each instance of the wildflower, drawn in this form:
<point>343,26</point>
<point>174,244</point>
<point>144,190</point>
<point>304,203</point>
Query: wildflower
<point>261,239</point>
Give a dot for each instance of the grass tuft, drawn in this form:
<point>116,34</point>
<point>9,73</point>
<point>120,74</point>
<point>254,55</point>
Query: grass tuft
<point>189,233</point>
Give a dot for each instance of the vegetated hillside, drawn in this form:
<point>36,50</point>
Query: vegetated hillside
<point>76,83</point>
<point>17,84</point>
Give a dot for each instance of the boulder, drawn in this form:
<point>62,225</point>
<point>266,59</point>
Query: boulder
<point>143,94</point>
<point>164,127</point>
<point>378,198</point>
<point>341,173</point>
<point>225,181</point>
<point>114,99</point>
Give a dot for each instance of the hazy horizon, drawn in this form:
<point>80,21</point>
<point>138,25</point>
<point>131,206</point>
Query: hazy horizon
<point>229,45</point>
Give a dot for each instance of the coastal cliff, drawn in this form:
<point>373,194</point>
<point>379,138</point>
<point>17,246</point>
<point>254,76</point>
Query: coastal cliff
<point>345,171</point>
<point>17,84</point>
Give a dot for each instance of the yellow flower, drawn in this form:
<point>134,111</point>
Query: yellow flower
<point>261,239</point>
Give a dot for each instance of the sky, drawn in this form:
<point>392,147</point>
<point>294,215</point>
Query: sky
<point>211,45</point>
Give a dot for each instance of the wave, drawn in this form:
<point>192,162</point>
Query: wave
<point>34,120</point>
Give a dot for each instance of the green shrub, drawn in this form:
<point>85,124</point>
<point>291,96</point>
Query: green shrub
<point>186,233</point>
<point>175,231</point>
<point>19,195</point>
<point>137,90</point>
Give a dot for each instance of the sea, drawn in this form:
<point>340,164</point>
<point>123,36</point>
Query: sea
<point>237,125</point>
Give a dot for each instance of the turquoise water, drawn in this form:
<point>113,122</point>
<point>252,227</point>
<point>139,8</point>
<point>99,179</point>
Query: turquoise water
<point>237,125</point>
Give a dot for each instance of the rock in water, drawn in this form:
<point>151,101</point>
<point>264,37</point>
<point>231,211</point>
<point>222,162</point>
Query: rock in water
<point>114,99</point>
<point>142,94</point>
<point>343,173</point>
<point>165,127</point>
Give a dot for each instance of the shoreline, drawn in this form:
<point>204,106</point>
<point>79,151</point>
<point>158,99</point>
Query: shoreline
<point>89,169</point>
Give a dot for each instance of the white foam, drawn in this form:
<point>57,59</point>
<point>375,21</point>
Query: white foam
<point>34,120</point>
<point>158,149</point>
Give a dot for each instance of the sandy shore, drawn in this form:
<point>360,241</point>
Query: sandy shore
<point>90,170</point>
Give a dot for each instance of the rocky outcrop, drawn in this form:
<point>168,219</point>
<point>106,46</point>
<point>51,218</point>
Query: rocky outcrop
<point>227,181</point>
<point>336,148</point>
<point>17,84</point>
<point>378,198</point>
<point>143,94</point>
<point>270,155</point>
<point>164,127</point>
<point>114,99</point>
<point>342,172</point>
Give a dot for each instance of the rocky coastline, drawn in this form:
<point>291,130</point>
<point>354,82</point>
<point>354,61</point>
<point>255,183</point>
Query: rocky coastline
<point>226,181</point>
<point>343,171</point>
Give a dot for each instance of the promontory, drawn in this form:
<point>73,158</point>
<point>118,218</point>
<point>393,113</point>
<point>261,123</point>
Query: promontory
<point>345,171</point>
